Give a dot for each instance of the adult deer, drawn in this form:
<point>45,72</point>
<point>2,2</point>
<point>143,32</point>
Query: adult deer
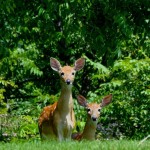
<point>93,113</point>
<point>57,120</point>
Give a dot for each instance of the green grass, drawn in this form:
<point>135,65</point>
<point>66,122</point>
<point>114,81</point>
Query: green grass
<point>73,145</point>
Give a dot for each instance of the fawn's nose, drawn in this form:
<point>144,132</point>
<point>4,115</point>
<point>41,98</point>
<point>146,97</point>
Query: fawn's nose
<point>94,118</point>
<point>68,81</point>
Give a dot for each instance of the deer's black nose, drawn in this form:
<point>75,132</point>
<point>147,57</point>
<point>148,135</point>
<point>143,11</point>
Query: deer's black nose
<point>94,118</point>
<point>68,81</point>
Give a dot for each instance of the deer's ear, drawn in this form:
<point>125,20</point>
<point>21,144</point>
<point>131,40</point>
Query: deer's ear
<point>82,100</point>
<point>79,64</point>
<point>106,100</point>
<point>55,64</point>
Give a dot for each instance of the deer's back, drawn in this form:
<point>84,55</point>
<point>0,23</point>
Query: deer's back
<point>76,136</point>
<point>45,121</point>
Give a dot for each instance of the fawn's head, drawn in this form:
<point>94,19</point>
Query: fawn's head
<point>93,109</point>
<point>67,73</point>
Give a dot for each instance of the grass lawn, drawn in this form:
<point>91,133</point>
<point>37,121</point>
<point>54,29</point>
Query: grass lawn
<point>73,145</point>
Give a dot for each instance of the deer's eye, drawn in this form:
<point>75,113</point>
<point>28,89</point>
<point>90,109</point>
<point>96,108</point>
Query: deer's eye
<point>73,73</point>
<point>99,110</point>
<point>88,110</point>
<point>62,74</point>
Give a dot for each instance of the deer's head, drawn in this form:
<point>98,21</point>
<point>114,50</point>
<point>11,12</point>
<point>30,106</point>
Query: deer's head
<point>67,73</point>
<point>94,109</point>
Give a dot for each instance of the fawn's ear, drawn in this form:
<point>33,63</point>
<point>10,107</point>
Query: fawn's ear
<point>79,64</point>
<point>106,100</point>
<point>55,64</point>
<point>82,100</point>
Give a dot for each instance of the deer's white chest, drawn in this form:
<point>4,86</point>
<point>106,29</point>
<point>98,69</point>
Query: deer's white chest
<point>67,122</point>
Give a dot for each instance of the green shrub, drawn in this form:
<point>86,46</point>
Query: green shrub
<point>18,127</point>
<point>127,116</point>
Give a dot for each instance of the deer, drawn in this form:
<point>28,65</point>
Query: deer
<point>56,121</point>
<point>93,114</point>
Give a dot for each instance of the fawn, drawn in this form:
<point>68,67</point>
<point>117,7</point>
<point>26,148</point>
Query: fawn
<point>93,113</point>
<point>57,120</point>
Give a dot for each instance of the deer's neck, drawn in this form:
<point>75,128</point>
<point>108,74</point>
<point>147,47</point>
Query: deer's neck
<point>65,102</point>
<point>89,129</point>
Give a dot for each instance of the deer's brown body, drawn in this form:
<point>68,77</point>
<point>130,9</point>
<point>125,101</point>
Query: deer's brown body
<point>58,120</point>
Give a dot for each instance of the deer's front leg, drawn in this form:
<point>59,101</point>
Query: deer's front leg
<point>60,135</point>
<point>68,136</point>
<point>58,127</point>
<point>69,126</point>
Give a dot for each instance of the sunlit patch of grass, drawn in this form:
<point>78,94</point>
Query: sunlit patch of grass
<point>75,145</point>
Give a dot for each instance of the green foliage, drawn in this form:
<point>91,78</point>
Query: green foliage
<point>113,36</point>
<point>129,83</point>
<point>17,127</point>
<point>28,127</point>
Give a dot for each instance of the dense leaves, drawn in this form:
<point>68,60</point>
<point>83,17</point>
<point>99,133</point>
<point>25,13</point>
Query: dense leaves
<point>113,36</point>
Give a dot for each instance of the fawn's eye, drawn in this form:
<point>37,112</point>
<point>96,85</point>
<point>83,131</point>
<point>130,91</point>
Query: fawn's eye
<point>62,74</point>
<point>99,110</point>
<point>88,109</point>
<point>73,73</point>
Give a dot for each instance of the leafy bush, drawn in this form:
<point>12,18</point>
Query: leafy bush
<point>113,36</point>
<point>127,116</point>
<point>28,128</point>
<point>17,127</point>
